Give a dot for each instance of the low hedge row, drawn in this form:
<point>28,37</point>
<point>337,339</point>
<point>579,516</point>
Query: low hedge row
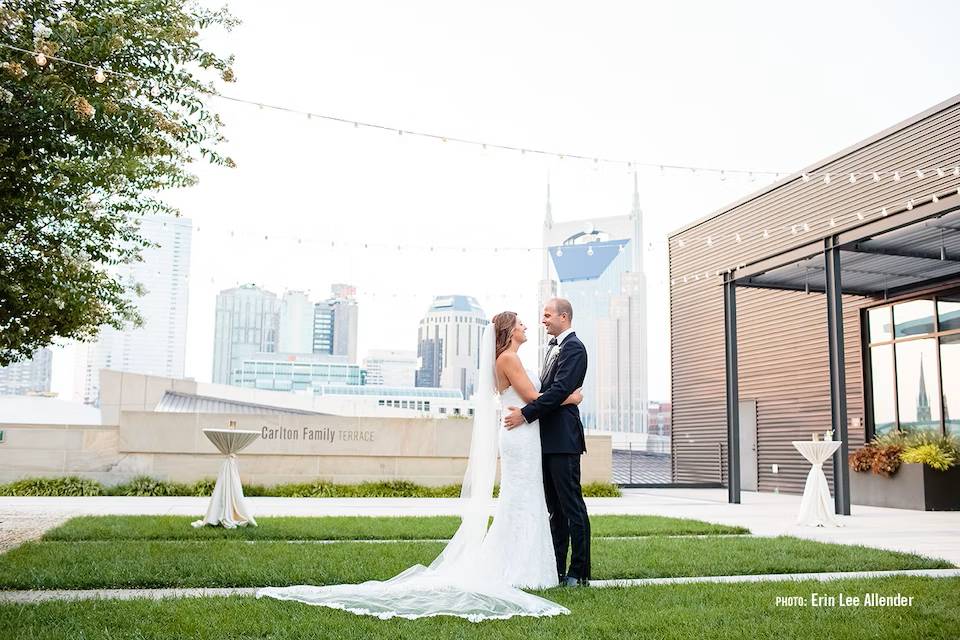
<point>147,486</point>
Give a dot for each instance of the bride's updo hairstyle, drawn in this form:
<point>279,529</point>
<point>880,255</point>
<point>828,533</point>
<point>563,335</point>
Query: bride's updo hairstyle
<point>503,324</point>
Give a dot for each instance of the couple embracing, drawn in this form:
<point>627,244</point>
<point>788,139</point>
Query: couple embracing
<point>533,421</point>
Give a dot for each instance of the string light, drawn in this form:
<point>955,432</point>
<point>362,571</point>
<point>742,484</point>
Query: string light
<point>41,59</point>
<point>100,76</point>
<point>155,91</point>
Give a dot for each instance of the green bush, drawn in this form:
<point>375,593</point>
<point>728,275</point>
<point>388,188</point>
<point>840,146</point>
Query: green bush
<point>930,455</point>
<point>147,486</point>
<point>69,486</point>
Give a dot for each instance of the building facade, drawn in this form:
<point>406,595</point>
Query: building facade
<point>336,323</point>
<point>843,293</point>
<point>391,368</point>
<point>597,264</point>
<point>158,347</point>
<point>296,372</point>
<point>28,376</point>
<point>448,344</point>
<point>296,323</point>
<point>247,322</point>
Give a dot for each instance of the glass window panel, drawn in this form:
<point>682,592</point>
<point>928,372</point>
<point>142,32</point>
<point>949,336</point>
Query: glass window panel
<point>881,364</point>
<point>950,364</point>
<point>949,309</point>
<point>881,327</point>
<point>913,318</point>
<point>918,385</point>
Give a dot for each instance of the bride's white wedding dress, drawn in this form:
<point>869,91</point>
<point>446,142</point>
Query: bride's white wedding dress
<point>478,574</point>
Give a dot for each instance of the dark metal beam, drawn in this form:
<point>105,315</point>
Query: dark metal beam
<point>733,394</point>
<point>838,383</point>
<point>860,247</point>
<point>920,212</point>
<point>780,286</point>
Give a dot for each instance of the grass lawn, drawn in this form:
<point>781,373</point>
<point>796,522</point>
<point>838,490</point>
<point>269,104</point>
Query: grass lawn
<point>213,563</point>
<point>701,611</point>
<point>346,528</point>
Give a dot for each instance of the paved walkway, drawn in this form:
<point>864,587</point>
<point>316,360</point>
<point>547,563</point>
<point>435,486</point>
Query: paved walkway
<point>29,597</point>
<point>930,533</point>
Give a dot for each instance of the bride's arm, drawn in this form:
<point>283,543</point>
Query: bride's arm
<point>512,368</point>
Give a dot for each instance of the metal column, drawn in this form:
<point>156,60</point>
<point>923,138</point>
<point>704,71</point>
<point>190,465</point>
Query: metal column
<point>733,396</point>
<point>838,381</point>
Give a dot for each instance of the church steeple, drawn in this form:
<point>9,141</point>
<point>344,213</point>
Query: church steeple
<point>637,216</point>
<point>923,401</point>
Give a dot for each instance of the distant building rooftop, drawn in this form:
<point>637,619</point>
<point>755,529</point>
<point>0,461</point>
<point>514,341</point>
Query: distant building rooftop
<point>379,390</point>
<point>45,410</point>
<point>456,303</point>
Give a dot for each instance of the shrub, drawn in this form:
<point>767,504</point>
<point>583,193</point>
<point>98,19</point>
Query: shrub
<point>930,455</point>
<point>147,486</point>
<point>69,486</point>
<point>886,461</point>
<point>862,459</point>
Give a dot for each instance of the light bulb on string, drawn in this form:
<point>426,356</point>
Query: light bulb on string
<point>876,177</point>
<point>940,172</point>
<point>100,77</point>
<point>956,172</point>
<point>833,222</point>
<point>919,174</point>
<point>883,212</point>
<point>896,176</point>
<point>826,178</point>
<point>155,92</point>
<point>766,234</point>
<point>589,251</point>
<point>910,205</point>
<point>805,177</point>
<point>853,178</point>
<point>738,238</point>
<point>559,253</point>
<point>859,215</point>
<point>935,198</point>
<point>41,59</point>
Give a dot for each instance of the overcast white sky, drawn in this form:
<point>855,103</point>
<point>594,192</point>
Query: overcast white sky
<point>730,84</point>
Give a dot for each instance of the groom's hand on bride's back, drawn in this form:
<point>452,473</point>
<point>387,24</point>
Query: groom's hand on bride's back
<point>514,418</point>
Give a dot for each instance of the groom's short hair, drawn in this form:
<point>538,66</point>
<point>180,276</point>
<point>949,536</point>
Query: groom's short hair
<point>563,306</point>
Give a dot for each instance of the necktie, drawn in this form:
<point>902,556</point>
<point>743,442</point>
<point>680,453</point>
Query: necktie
<point>548,359</point>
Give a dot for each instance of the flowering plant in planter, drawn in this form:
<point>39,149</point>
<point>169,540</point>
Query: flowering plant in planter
<point>884,454</point>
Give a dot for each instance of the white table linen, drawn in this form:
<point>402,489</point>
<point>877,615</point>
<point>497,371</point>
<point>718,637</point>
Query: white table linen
<point>227,506</point>
<point>816,507</point>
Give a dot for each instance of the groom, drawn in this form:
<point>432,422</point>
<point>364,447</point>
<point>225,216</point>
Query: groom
<point>562,441</point>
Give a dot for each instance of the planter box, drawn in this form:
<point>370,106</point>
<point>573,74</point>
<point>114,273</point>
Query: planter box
<point>913,486</point>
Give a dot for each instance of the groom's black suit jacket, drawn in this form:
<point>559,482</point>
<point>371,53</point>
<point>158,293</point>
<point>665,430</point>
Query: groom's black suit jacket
<point>560,428</point>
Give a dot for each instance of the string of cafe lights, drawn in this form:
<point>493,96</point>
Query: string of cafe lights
<point>101,74</point>
<point>825,227</point>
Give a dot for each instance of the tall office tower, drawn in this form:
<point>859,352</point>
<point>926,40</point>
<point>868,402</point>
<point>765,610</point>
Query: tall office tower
<point>335,323</point>
<point>159,346</point>
<point>391,368</point>
<point>296,323</point>
<point>448,344</point>
<point>597,264</point>
<point>247,322</point>
<point>27,376</point>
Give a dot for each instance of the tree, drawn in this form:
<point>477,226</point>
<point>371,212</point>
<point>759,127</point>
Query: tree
<point>84,151</point>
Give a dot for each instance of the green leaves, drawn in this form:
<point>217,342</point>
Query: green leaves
<point>81,160</point>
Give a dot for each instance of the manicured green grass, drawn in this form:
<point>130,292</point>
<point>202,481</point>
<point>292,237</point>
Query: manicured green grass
<point>702,611</point>
<point>345,528</point>
<point>213,563</point>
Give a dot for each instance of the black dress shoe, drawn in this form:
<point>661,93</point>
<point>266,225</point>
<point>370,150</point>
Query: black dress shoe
<point>574,581</point>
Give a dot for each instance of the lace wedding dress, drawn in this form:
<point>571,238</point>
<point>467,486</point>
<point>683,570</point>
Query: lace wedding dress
<point>478,574</point>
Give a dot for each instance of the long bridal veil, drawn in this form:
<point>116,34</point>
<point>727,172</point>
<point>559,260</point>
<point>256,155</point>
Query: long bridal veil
<point>459,582</point>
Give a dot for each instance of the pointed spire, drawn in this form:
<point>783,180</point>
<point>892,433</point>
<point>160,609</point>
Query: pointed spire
<point>548,219</point>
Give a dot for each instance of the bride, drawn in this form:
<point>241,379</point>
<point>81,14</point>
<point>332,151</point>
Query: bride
<point>480,573</point>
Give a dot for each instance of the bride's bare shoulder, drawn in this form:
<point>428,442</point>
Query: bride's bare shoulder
<point>507,358</point>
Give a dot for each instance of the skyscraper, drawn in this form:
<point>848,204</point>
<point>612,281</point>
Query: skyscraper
<point>296,323</point>
<point>597,264</point>
<point>247,322</point>
<point>27,376</point>
<point>335,323</point>
<point>448,343</point>
<point>159,346</point>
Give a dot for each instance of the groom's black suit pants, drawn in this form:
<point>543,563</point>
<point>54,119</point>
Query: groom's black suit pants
<point>569,523</point>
